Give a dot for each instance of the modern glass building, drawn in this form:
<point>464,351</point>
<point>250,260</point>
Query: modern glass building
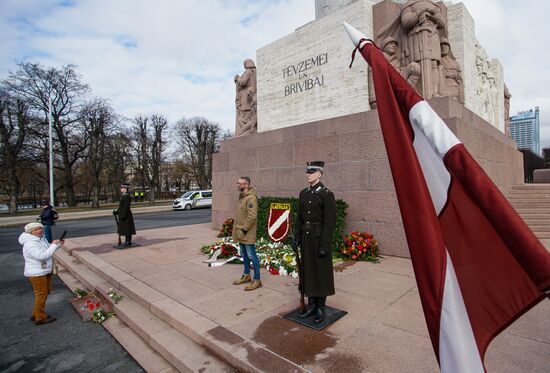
<point>525,129</point>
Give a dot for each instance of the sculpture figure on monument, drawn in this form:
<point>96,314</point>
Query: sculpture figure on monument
<point>422,21</point>
<point>411,72</point>
<point>486,91</point>
<point>418,28</point>
<point>507,97</point>
<point>451,83</point>
<point>245,100</point>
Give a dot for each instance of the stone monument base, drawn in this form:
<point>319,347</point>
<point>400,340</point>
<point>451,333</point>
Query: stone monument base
<point>356,169</point>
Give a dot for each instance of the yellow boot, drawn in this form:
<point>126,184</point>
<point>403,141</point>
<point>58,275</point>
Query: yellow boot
<point>243,280</point>
<point>254,285</point>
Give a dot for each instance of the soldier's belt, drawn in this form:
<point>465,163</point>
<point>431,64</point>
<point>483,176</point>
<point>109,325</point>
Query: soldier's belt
<point>309,224</point>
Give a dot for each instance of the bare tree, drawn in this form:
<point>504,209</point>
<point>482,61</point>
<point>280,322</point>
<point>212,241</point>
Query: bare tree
<point>149,146</point>
<point>159,125</point>
<point>14,122</point>
<point>118,159</point>
<point>140,143</point>
<point>198,139</point>
<point>100,121</point>
<point>34,85</point>
<point>181,173</point>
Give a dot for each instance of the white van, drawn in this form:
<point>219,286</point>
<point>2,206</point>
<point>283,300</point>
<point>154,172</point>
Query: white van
<point>193,199</point>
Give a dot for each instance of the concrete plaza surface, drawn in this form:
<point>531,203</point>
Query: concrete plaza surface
<point>191,317</point>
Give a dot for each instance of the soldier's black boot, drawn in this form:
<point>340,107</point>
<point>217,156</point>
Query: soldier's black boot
<point>310,309</point>
<point>128,241</point>
<point>320,310</point>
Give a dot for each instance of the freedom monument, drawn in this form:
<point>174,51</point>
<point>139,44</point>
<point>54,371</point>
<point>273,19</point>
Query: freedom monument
<point>311,105</point>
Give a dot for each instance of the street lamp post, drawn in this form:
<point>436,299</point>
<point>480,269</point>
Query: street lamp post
<point>52,201</point>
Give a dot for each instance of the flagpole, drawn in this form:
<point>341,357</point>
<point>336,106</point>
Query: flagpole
<point>52,201</point>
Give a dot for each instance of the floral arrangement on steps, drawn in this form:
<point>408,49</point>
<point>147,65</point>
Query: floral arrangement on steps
<point>227,228</point>
<point>227,246</point>
<point>79,293</point>
<point>277,258</point>
<point>114,295</point>
<point>360,246</point>
<point>99,315</point>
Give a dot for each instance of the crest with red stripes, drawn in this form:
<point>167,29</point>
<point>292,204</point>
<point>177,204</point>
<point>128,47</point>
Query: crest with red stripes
<point>278,223</point>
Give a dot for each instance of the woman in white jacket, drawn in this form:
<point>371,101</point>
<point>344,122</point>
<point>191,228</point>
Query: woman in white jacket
<point>38,268</point>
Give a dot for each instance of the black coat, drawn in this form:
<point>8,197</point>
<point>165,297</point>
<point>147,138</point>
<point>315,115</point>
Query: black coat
<point>47,217</point>
<point>126,225</point>
<point>315,224</point>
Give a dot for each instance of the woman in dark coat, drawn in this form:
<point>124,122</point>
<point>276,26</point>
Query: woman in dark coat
<point>126,225</point>
<point>47,218</point>
<point>315,224</point>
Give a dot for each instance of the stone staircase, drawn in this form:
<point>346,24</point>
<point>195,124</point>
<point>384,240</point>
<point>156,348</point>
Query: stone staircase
<point>161,334</point>
<point>532,202</point>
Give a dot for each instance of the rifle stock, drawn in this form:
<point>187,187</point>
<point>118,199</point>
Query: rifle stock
<point>118,235</point>
<point>300,278</point>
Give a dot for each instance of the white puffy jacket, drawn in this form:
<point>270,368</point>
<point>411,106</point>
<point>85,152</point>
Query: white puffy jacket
<point>38,254</point>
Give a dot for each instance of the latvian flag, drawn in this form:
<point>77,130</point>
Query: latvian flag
<point>478,267</point>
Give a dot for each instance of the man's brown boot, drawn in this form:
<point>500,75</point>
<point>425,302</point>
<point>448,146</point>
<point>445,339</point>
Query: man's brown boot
<point>254,285</point>
<point>243,280</point>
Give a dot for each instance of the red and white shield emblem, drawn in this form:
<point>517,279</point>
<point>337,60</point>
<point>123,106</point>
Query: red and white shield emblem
<point>278,223</point>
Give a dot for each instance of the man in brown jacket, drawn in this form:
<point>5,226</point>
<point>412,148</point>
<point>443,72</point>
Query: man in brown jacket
<point>244,232</point>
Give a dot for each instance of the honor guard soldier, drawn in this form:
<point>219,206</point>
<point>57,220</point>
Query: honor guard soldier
<point>315,224</point>
<point>126,225</point>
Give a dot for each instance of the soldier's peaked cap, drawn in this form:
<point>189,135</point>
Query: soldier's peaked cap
<point>125,185</point>
<point>314,166</point>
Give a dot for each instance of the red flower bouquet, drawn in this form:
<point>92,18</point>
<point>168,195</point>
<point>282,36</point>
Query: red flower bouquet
<point>227,229</point>
<point>360,246</point>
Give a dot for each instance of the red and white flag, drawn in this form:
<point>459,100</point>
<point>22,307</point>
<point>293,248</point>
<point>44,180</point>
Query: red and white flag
<point>477,265</point>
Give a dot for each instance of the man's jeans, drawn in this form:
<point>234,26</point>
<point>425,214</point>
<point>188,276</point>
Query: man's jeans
<point>248,252</point>
<point>48,232</point>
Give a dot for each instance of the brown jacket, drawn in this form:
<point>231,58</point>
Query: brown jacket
<point>246,216</point>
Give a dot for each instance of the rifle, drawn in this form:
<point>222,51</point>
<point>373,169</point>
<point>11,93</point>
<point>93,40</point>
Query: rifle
<point>115,214</point>
<point>300,275</point>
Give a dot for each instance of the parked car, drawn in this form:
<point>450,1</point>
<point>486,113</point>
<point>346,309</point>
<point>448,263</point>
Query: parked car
<point>193,199</point>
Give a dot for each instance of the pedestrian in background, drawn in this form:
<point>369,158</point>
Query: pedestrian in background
<point>37,253</point>
<point>47,217</point>
<point>126,225</point>
<point>244,232</point>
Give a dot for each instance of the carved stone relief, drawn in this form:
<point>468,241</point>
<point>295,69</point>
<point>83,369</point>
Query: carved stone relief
<point>415,42</point>
<point>245,100</point>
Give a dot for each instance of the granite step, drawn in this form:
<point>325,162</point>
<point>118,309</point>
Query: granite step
<point>176,348</point>
<point>143,354</point>
<point>540,228</point>
<point>82,273</point>
<point>528,194</point>
<point>182,352</point>
<point>542,235</point>
<point>537,222</point>
<point>535,216</point>
<point>533,210</point>
<point>522,203</point>
<point>531,187</point>
<point>165,324</point>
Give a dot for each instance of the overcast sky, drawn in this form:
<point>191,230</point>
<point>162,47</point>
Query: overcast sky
<point>178,57</point>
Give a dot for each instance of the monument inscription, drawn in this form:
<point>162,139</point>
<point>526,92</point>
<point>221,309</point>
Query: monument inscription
<point>304,77</point>
<point>301,71</point>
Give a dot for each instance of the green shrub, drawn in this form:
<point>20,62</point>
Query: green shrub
<point>264,204</point>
